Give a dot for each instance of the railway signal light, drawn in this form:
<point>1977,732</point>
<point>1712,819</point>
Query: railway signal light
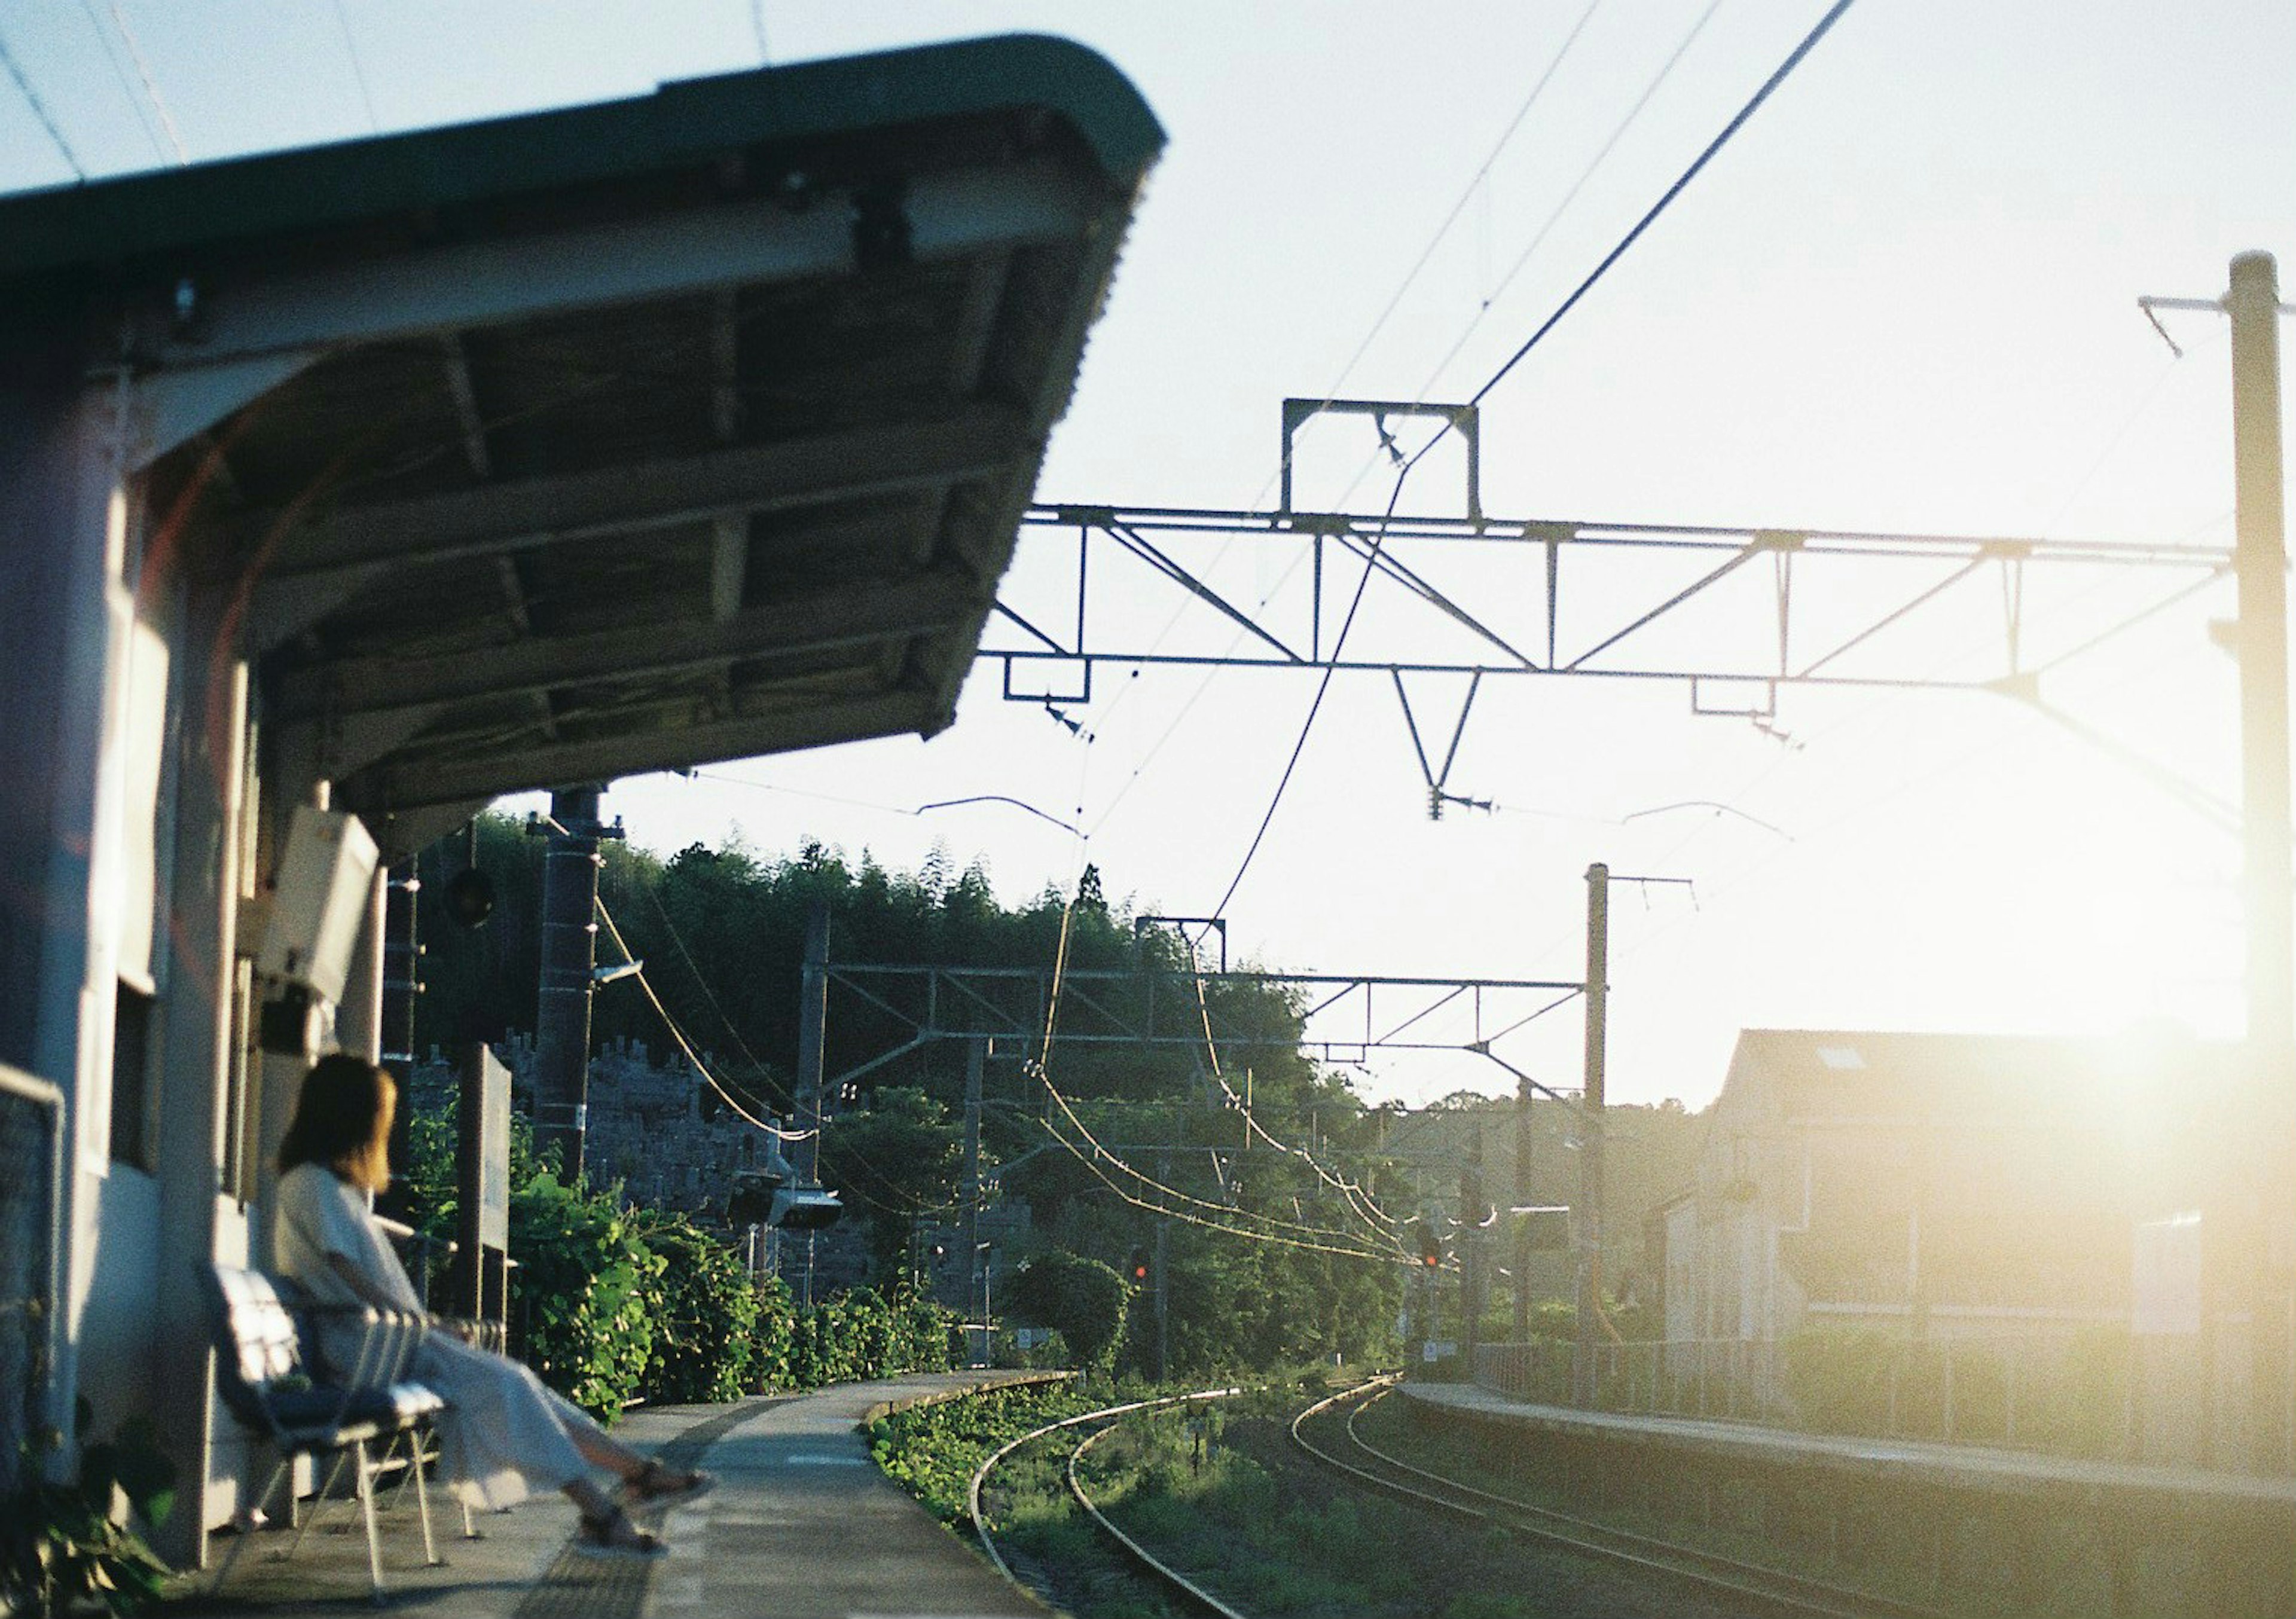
<point>1430,1249</point>
<point>1139,1265</point>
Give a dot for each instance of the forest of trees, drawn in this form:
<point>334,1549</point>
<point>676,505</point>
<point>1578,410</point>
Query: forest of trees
<point>1270,1257</point>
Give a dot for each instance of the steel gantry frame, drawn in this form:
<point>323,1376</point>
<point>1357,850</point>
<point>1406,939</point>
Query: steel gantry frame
<point>1145,533</point>
<point>1015,1003</point>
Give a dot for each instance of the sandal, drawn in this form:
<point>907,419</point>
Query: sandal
<point>656,1485</point>
<point>615,1536</point>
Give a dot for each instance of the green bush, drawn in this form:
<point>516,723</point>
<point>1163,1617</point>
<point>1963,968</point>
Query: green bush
<point>1081,1299</point>
<point>704,1313</point>
<point>772,1336</point>
<point>583,1292</point>
<point>61,1549</point>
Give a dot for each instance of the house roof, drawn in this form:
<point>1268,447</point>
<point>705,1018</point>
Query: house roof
<point>1872,1074</point>
<point>631,437</point>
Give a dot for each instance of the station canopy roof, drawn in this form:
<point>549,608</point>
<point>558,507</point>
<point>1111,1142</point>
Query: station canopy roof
<point>631,437</point>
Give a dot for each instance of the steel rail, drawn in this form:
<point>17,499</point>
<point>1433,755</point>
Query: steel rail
<point>1775,1589</point>
<point>1140,1554</point>
<point>1107,1413</point>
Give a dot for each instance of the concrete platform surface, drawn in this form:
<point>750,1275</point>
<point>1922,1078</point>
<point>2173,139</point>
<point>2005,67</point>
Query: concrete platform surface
<point>801,1526</point>
<point>2027,1474</point>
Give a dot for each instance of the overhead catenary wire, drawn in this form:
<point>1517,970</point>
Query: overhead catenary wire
<point>105,37</point>
<point>1101,1154</point>
<point>151,85</point>
<point>899,1203</point>
<point>1359,1201</point>
<point>677,1033</point>
<point>40,109</point>
<point>1594,278</point>
<point>1339,1246</point>
<point>1554,216</point>
<point>358,67</point>
<point>1332,394</point>
<point>1713,149</point>
<point>1539,237</point>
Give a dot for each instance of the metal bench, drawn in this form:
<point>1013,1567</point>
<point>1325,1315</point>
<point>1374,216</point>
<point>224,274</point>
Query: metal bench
<point>303,1407</point>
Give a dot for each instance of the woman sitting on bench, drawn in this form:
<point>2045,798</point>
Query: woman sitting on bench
<point>504,1434</point>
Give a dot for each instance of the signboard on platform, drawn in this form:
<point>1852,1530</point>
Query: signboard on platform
<point>483,1163</point>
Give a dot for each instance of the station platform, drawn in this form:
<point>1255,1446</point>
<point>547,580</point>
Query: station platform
<point>801,1526</point>
<point>2026,1474</point>
<point>1955,1528</point>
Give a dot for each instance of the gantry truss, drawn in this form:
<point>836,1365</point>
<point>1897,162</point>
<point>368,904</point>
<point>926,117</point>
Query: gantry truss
<point>1146,1007</point>
<point>1737,614</point>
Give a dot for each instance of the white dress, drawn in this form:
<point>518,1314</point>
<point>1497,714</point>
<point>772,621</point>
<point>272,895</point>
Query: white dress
<point>504,1435</point>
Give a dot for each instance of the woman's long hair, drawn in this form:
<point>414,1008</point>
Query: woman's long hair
<point>342,1121</point>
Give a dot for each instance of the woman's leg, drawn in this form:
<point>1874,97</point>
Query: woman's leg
<point>649,1476</point>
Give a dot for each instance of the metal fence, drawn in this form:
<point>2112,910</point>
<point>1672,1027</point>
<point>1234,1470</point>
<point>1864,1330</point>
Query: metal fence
<point>2068,1394</point>
<point>32,1169</point>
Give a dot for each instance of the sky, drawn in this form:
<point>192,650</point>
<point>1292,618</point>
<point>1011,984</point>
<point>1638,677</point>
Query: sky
<point>1903,299</point>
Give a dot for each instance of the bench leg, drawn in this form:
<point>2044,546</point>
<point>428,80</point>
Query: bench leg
<point>334,1475</point>
<point>239,1541</point>
<point>366,1506</point>
<point>422,1502</point>
<point>382,1465</point>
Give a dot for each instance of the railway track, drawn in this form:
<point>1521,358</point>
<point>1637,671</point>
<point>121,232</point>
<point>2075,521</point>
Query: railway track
<point>1757,1587</point>
<point>1153,1569</point>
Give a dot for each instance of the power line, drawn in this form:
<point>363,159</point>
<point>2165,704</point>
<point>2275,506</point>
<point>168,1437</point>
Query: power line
<point>40,110</point>
<point>1043,1072</point>
<point>358,70</point>
<point>685,1045</point>
<point>1626,242</point>
<point>120,71</point>
<point>1379,323</point>
<point>1323,686</point>
<point>902,1204</point>
<point>1713,148</point>
<point>151,85</point>
<point>1539,237</point>
<point>1481,174</point>
<point>1316,1239</point>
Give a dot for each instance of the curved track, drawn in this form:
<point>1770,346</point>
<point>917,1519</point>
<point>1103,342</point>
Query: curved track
<point>1760,1589</point>
<point>1159,1573</point>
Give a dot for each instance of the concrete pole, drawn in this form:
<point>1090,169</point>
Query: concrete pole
<point>2259,563</point>
<point>1164,1277</point>
<point>402,953</point>
<point>1471,1248</point>
<point>812,1021</point>
<point>1522,1223</point>
<point>1583,1381</point>
<point>570,957</point>
<point>975,1060</point>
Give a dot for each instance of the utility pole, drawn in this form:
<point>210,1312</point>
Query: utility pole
<point>975,1060</point>
<point>570,959</point>
<point>2259,564</point>
<point>402,953</point>
<point>812,1016</point>
<point>1583,1381</point>
<point>1522,1223</point>
<point>1164,1277</point>
<point>1471,1247</point>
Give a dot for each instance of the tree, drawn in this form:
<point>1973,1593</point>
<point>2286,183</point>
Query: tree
<point>1081,1299</point>
<point>895,1159</point>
